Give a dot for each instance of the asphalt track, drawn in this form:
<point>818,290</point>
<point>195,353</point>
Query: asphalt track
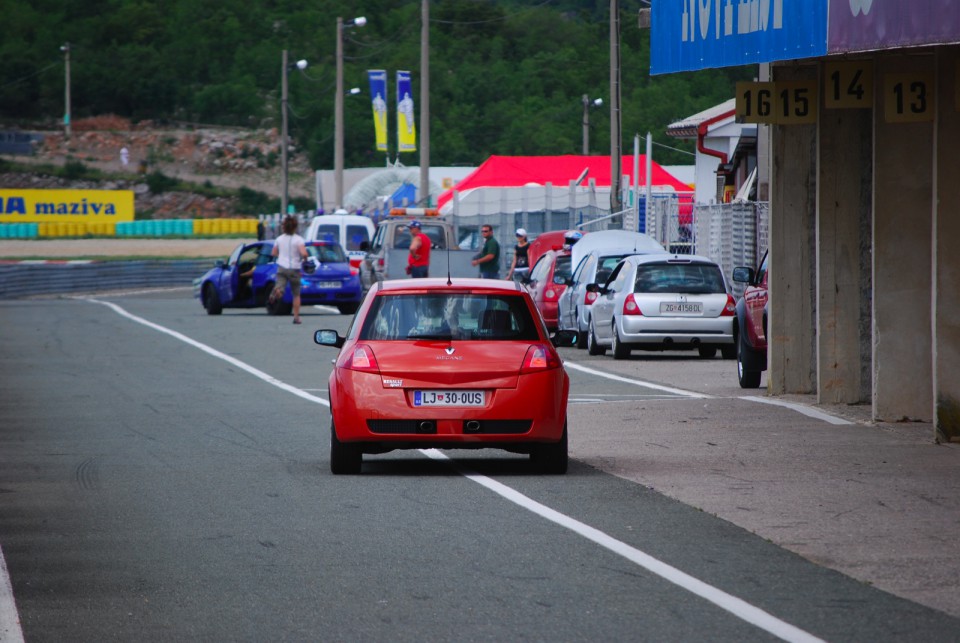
<point>128,420</point>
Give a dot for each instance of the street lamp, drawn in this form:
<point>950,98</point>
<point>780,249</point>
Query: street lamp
<point>65,48</point>
<point>587,104</point>
<point>338,108</point>
<point>284,141</point>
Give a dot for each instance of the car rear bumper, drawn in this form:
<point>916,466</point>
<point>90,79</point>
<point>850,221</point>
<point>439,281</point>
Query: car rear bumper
<point>676,330</point>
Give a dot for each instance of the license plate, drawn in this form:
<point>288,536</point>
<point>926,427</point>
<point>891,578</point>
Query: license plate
<point>449,398</point>
<point>328,284</point>
<point>681,309</point>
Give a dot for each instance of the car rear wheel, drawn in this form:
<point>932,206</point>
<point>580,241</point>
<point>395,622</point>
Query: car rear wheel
<point>211,300</point>
<point>592,347</point>
<point>620,350</point>
<point>582,338</point>
<point>551,458</point>
<point>728,351</point>
<point>707,352</point>
<point>748,379</point>
<point>344,458</point>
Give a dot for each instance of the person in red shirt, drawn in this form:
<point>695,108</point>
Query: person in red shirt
<point>418,262</point>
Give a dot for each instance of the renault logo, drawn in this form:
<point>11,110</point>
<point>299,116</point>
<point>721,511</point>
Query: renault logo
<point>449,350</point>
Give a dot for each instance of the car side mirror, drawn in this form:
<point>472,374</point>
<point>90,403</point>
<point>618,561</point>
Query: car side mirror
<point>743,275</point>
<point>564,338</point>
<point>328,337</point>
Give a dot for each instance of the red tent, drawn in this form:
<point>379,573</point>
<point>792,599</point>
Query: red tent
<point>517,171</point>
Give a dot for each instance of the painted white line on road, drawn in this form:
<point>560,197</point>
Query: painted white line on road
<point>10,631</point>
<point>635,382</point>
<point>736,606</point>
<point>799,408</point>
<point>269,379</point>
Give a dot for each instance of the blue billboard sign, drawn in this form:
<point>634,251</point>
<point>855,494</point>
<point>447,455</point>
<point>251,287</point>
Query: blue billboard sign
<point>688,35</point>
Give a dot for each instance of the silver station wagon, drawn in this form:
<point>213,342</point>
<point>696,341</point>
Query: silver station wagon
<point>663,302</point>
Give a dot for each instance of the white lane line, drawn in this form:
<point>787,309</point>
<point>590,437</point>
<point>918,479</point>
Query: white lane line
<point>635,382</point>
<point>269,379</point>
<point>736,606</point>
<point>10,630</point>
<point>799,408</point>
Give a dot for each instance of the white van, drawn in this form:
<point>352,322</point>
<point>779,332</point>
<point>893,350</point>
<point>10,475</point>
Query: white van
<point>349,230</point>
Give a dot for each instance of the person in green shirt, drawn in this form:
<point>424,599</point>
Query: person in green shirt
<point>488,259</point>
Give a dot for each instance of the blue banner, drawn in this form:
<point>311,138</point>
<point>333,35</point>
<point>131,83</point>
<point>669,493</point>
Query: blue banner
<point>378,96</point>
<point>406,121</point>
<point>687,35</point>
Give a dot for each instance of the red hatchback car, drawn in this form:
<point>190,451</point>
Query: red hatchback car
<point>435,363</point>
<point>547,281</point>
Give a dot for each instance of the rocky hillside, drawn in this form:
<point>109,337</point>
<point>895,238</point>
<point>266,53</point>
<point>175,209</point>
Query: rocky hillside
<point>227,158</point>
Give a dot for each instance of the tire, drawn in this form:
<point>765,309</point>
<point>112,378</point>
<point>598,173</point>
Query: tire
<point>592,347</point>
<point>620,350</point>
<point>707,352</point>
<point>211,300</point>
<point>582,337</point>
<point>728,351</point>
<point>551,458</point>
<point>348,309</point>
<point>345,459</point>
<point>748,379</point>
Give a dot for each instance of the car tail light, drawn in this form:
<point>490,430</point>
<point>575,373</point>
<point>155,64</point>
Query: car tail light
<point>539,358</point>
<point>730,309</point>
<point>630,306</point>
<point>553,293</point>
<point>362,359</point>
<point>354,271</point>
<point>589,298</point>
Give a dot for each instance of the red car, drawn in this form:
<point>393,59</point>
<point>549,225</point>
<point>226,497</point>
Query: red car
<point>430,363</point>
<point>547,281</point>
<point>750,328</point>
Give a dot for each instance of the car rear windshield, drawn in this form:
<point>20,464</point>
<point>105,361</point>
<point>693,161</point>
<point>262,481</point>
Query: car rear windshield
<point>461,316</point>
<point>691,278</point>
<point>328,254</point>
<point>562,269</point>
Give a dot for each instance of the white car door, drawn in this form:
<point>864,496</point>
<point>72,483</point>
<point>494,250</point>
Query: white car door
<point>605,304</point>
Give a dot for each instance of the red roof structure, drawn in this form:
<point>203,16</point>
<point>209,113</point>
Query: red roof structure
<point>517,171</point>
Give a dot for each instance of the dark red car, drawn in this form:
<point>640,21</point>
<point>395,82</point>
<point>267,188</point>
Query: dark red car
<point>546,282</point>
<point>750,327</point>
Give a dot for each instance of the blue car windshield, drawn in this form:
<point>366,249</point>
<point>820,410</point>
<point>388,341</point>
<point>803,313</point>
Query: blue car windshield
<point>449,316</point>
<point>328,253</point>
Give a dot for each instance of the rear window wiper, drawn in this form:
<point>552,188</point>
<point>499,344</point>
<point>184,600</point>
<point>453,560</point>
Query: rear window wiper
<point>447,336</point>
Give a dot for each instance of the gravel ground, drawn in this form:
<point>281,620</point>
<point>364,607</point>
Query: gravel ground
<point>76,248</point>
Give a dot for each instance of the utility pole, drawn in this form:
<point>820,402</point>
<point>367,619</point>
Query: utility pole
<point>425,103</point>
<point>284,143</point>
<point>338,122</point>
<point>616,203</point>
<point>66,115</point>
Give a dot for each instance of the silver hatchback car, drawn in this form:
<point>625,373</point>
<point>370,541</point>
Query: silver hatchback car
<point>663,302</point>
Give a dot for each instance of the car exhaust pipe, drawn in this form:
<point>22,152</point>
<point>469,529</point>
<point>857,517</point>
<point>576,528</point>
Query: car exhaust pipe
<point>471,426</point>
<point>427,426</point>
<point>695,342</point>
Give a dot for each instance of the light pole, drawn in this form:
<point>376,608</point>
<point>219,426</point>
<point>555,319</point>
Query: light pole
<point>65,48</point>
<point>425,103</point>
<point>587,104</point>
<point>284,139</point>
<point>338,108</point>
<point>616,203</point>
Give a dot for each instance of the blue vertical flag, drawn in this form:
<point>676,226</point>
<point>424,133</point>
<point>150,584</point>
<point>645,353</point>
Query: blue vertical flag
<point>406,122</point>
<point>378,96</point>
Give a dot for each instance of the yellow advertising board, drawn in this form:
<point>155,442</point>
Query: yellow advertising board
<point>68,206</point>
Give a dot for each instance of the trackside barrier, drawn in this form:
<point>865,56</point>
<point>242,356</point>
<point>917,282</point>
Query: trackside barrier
<point>147,228</point>
<point>27,279</point>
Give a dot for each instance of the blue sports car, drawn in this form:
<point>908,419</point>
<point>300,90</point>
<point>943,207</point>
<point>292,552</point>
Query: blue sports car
<point>246,279</point>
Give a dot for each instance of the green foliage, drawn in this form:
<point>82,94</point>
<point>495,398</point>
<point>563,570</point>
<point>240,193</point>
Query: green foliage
<point>158,183</point>
<point>253,202</point>
<point>506,77</point>
<point>74,169</point>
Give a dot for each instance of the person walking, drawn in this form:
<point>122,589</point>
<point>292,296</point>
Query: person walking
<point>488,259</point>
<point>418,261</point>
<point>520,265</point>
<point>290,250</point>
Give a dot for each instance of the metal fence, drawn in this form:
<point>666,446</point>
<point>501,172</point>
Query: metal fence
<point>26,279</point>
<point>732,234</point>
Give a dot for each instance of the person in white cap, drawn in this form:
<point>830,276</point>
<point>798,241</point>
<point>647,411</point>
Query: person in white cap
<point>520,265</point>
